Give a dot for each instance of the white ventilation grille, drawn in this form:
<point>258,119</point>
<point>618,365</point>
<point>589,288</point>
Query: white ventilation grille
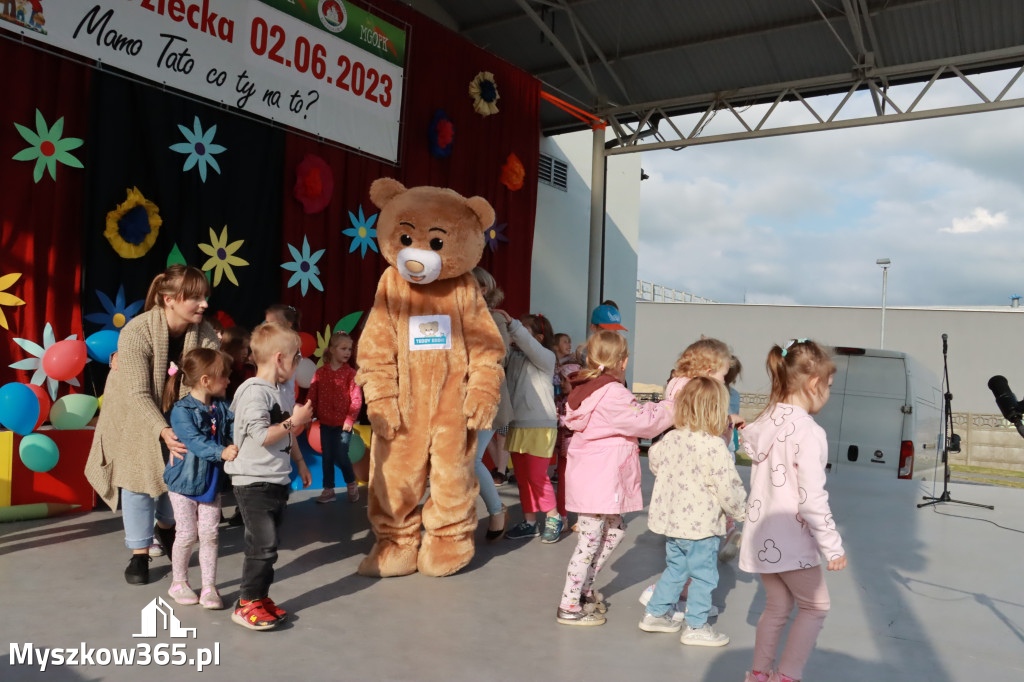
<point>553,172</point>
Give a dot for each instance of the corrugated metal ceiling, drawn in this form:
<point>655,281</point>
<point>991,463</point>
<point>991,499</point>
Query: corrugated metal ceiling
<point>666,50</point>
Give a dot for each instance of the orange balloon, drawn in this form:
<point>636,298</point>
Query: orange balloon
<point>308,344</point>
<point>314,437</point>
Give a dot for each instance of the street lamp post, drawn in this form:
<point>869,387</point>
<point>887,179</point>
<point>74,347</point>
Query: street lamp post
<point>885,263</point>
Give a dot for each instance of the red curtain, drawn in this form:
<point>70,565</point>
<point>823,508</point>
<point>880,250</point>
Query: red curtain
<point>41,222</point>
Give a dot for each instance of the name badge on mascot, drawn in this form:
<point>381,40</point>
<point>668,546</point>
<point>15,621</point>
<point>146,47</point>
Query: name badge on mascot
<point>430,332</point>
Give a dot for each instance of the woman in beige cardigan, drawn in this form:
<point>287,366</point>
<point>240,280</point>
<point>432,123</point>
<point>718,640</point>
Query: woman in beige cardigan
<point>133,439</point>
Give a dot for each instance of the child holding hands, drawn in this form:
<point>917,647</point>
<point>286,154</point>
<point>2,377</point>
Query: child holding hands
<point>696,485</point>
<point>202,421</point>
<point>266,421</point>
<point>602,475</point>
<point>790,525</point>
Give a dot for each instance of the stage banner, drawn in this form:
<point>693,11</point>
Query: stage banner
<point>322,66</point>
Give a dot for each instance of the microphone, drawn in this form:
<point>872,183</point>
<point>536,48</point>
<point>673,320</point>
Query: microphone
<point>945,338</point>
<point>1006,401</point>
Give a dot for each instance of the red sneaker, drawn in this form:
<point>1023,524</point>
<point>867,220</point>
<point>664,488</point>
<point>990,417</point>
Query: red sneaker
<point>274,609</point>
<point>254,615</point>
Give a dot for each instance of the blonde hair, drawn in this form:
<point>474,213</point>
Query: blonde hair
<point>336,338</point>
<point>180,282</point>
<point>792,367</point>
<point>493,296</point>
<point>271,337</point>
<point>606,349</point>
<point>703,358</point>
<point>703,406</point>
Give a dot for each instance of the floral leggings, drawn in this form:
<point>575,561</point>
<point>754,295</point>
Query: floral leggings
<point>195,521</point>
<point>599,535</point>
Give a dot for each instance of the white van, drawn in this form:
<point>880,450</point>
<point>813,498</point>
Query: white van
<point>885,414</point>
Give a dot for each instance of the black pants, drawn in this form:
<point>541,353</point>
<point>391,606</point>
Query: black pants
<point>262,506</point>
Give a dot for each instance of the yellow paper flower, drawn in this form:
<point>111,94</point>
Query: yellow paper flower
<point>221,256</point>
<point>484,92</point>
<point>132,228</point>
<point>8,299</point>
<point>321,345</point>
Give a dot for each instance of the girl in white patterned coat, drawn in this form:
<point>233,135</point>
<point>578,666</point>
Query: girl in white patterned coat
<point>789,523</point>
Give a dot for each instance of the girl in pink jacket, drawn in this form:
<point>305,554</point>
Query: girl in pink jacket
<point>602,475</point>
<point>789,523</point>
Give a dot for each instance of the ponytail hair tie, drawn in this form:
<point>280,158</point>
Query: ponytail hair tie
<point>785,349</point>
<point>600,368</point>
<point>172,369</point>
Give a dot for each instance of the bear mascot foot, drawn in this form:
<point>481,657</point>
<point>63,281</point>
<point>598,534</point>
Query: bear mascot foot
<point>388,559</point>
<point>443,555</point>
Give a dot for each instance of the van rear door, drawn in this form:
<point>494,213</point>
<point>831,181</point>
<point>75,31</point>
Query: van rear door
<point>871,427</point>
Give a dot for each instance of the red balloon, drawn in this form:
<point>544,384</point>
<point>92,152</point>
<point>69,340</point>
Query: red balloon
<point>308,344</point>
<point>44,404</point>
<point>314,437</point>
<point>65,359</point>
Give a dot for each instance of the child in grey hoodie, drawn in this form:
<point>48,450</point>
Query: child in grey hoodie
<point>266,422</point>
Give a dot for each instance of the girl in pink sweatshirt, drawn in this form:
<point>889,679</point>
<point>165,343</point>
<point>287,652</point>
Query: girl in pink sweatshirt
<point>602,477</point>
<point>789,523</point>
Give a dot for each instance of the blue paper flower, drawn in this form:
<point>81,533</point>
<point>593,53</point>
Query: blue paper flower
<point>304,267</point>
<point>115,314</point>
<point>200,148</point>
<point>362,231</point>
<point>494,234</point>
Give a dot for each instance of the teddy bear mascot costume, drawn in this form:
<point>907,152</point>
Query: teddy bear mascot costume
<point>430,368</point>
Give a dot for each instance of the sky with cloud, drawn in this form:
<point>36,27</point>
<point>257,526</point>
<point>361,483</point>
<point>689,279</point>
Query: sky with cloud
<point>803,218</point>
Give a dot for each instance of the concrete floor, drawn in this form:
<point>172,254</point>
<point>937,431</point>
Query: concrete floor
<point>931,594</point>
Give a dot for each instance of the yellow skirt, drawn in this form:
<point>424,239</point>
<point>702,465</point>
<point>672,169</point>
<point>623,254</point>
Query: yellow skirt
<point>539,442</point>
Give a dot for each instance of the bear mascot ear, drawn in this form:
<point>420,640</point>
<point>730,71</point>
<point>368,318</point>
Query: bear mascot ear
<point>384,190</point>
<point>478,205</point>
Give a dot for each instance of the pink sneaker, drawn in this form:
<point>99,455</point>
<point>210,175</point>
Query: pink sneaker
<point>182,593</point>
<point>210,598</point>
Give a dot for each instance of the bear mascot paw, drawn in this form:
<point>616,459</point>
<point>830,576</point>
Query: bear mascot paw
<point>430,368</point>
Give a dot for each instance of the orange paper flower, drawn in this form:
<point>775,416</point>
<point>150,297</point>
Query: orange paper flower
<point>513,173</point>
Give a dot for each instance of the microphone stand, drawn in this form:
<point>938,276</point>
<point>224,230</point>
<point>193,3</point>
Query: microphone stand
<point>949,436</point>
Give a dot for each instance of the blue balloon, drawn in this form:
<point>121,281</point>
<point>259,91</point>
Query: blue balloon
<point>19,408</point>
<point>102,345</point>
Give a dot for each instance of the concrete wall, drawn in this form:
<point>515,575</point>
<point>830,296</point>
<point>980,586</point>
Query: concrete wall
<point>561,241</point>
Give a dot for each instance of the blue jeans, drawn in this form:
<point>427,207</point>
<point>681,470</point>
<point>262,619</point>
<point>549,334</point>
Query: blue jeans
<point>696,559</point>
<point>138,512</point>
<point>262,506</point>
<point>334,442</point>
<point>487,489</point>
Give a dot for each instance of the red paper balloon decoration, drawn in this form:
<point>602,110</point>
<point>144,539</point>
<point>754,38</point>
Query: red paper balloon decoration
<point>314,437</point>
<point>308,346</point>
<point>65,359</point>
<point>44,404</point>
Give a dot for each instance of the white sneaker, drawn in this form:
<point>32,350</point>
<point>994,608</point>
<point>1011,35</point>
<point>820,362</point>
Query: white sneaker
<point>680,612</point>
<point>156,549</point>
<point>703,636</point>
<point>666,623</point>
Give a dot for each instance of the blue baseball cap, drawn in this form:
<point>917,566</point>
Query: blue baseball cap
<point>607,317</point>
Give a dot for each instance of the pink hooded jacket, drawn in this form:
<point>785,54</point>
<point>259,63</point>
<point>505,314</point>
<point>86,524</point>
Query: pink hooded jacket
<point>602,473</point>
<point>789,523</point>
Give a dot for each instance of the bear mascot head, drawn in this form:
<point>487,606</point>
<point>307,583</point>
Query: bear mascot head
<point>430,368</point>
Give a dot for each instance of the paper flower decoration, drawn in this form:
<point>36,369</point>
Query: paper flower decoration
<point>484,92</point>
<point>314,183</point>
<point>8,299</point>
<point>494,234</point>
<point>199,147</point>
<point>513,173</point>
<point>222,256</point>
<point>225,320</point>
<point>47,147</point>
<point>36,361</point>
<point>321,345</point>
<point>362,231</point>
<point>304,267</point>
<point>132,227</point>
<point>115,314</point>
<point>441,135</point>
